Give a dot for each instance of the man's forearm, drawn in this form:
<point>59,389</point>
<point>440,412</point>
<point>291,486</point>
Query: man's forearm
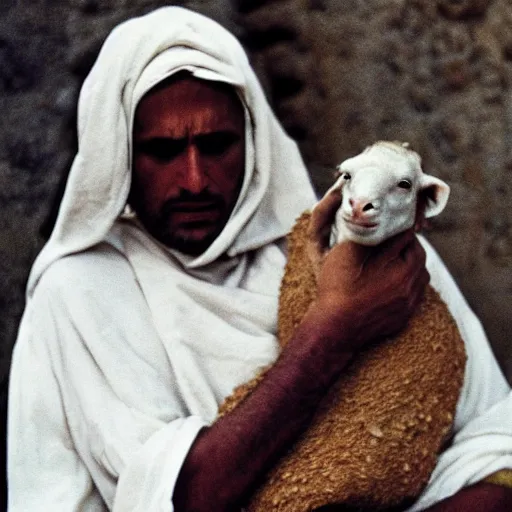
<point>353,306</point>
<point>481,497</point>
<point>228,458</point>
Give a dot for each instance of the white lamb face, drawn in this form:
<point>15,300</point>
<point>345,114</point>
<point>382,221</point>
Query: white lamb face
<point>380,189</point>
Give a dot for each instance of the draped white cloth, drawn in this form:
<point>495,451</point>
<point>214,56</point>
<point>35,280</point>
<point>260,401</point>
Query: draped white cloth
<point>126,348</point>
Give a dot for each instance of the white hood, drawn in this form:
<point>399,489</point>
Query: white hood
<point>137,55</point>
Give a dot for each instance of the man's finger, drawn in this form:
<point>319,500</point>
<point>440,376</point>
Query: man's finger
<point>416,253</point>
<point>417,293</point>
<point>420,221</point>
<point>397,246</point>
<point>322,216</point>
<point>351,253</point>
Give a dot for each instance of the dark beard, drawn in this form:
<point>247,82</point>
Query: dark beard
<point>159,229</point>
<point>192,247</point>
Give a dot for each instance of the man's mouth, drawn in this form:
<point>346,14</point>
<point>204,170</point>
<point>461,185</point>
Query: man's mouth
<point>193,206</point>
<point>192,214</point>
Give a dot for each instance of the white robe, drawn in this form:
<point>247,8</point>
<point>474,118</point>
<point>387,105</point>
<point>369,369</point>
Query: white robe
<point>126,348</point>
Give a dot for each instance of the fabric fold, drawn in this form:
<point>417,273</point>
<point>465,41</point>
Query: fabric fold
<point>148,481</point>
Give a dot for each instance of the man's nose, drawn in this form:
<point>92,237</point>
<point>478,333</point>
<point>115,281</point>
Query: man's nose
<point>194,173</point>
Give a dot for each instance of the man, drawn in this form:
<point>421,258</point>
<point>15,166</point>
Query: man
<point>138,324</point>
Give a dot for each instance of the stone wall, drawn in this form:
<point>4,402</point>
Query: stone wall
<point>341,74</point>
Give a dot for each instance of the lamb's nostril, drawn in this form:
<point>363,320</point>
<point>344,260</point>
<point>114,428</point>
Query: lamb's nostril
<point>367,207</point>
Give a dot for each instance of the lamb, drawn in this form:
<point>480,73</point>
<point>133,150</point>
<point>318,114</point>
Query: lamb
<point>380,193</point>
<point>374,439</point>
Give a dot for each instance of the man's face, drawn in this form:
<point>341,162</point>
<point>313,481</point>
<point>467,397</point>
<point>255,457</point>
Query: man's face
<point>188,162</point>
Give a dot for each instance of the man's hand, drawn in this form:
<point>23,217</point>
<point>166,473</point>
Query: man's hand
<point>320,225</point>
<point>372,292</point>
<point>481,497</point>
<point>364,292</point>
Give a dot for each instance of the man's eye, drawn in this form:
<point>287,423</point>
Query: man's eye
<point>163,149</point>
<point>215,144</point>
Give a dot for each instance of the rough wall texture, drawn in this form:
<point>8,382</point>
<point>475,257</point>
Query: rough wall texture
<point>341,74</point>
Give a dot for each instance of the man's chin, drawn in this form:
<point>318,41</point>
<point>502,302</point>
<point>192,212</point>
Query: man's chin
<point>191,245</point>
<point>192,238</point>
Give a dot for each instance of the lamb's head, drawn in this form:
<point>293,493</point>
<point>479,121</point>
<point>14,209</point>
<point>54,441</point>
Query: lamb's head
<point>380,188</point>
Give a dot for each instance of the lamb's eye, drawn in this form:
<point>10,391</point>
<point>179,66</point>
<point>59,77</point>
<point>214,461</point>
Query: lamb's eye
<point>406,184</point>
<point>346,175</point>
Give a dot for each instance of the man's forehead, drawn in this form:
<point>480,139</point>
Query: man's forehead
<point>185,88</point>
<point>188,102</point>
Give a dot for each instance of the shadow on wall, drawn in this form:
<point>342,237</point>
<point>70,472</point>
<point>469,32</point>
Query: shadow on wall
<point>3,449</point>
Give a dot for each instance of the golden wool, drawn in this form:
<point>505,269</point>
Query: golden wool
<point>374,440</point>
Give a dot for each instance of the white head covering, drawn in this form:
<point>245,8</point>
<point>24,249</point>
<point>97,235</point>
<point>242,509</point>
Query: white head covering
<point>137,55</point>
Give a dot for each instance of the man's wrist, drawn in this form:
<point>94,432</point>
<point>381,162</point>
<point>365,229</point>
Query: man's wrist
<point>321,346</point>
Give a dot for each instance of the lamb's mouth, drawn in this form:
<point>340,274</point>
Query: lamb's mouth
<point>361,224</point>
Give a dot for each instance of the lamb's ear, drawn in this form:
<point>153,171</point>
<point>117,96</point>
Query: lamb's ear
<point>435,193</point>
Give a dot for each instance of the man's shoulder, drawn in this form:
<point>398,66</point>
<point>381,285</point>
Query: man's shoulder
<point>101,266</point>
<point>83,293</point>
